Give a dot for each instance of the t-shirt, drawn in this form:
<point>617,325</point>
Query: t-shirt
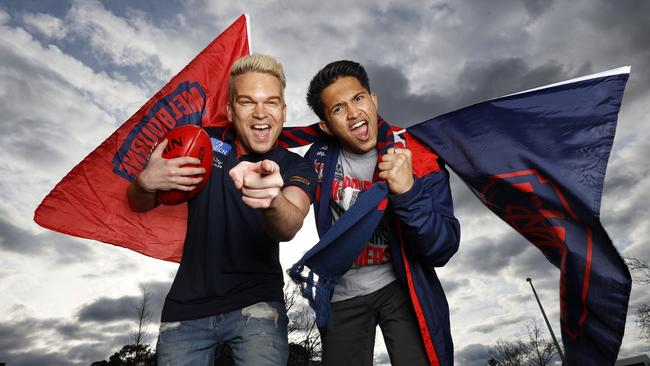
<point>372,270</point>
<point>228,260</point>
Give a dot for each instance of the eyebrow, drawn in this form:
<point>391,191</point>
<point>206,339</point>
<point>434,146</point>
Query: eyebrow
<point>245,96</point>
<point>342,102</point>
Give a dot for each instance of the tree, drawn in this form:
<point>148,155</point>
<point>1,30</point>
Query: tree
<point>137,353</point>
<point>641,274</point>
<point>640,271</point>
<point>302,328</point>
<point>142,310</point>
<point>540,350</point>
<point>130,355</point>
<point>508,353</point>
<point>534,351</point>
<point>643,320</point>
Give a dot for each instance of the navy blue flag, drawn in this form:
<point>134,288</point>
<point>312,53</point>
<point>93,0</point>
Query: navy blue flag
<point>537,159</point>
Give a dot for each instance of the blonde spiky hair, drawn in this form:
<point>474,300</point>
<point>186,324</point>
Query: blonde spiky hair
<point>256,63</point>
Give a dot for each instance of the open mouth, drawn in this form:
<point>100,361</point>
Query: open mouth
<point>261,131</point>
<point>360,130</point>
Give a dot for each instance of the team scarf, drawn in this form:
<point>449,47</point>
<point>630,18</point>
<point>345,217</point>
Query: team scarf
<point>320,268</point>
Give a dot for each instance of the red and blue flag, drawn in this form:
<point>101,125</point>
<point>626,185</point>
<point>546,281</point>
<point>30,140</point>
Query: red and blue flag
<point>537,159</point>
<point>90,201</point>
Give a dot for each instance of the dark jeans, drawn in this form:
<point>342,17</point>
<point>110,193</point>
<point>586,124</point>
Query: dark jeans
<point>350,337</point>
<point>257,335</point>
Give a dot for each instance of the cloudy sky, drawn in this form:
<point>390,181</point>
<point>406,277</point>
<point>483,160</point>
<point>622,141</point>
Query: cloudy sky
<point>72,71</point>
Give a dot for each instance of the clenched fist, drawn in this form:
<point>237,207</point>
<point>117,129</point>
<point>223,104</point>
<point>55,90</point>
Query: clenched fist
<point>396,168</point>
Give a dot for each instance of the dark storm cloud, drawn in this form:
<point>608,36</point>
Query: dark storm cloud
<point>490,256</point>
<point>493,326</point>
<point>451,285</point>
<point>396,103</point>
<point>101,328</point>
<point>123,308</point>
<point>473,355</point>
<point>481,80</point>
<point>622,178</point>
<point>625,25</point>
<point>627,19</point>
<point>29,359</point>
<point>536,8</point>
<point>532,263</point>
<point>18,240</point>
<point>58,248</point>
<point>92,351</point>
<point>465,202</point>
<point>21,339</point>
<point>107,309</point>
<point>478,81</point>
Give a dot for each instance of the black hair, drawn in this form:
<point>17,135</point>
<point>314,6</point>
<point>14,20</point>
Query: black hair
<point>327,76</point>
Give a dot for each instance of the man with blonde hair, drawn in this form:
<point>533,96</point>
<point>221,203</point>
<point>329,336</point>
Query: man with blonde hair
<point>228,288</point>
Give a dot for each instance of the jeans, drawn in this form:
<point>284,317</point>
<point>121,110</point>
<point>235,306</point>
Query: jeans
<point>257,335</point>
<point>350,336</point>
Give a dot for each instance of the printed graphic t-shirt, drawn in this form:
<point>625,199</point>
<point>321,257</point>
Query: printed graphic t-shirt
<point>372,270</point>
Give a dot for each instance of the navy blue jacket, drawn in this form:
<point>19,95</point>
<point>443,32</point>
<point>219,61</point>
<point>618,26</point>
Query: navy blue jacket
<point>426,234</point>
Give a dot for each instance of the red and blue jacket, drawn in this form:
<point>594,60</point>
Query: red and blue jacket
<point>425,235</point>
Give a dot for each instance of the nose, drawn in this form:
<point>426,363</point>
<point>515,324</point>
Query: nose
<point>353,112</point>
<point>260,111</point>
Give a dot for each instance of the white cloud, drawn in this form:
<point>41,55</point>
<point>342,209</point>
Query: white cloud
<point>163,48</point>
<point>47,25</point>
<point>112,95</point>
<point>4,17</point>
<point>59,101</point>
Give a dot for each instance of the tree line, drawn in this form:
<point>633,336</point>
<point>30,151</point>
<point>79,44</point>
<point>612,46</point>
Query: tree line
<point>534,349</point>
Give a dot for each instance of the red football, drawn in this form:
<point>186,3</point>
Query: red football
<point>187,140</point>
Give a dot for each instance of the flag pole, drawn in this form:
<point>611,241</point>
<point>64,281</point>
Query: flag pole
<point>548,324</point>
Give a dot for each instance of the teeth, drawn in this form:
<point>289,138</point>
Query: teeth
<point>261,127</point>
<point>358,124</point>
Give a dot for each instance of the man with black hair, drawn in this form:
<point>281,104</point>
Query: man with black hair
<point>392,283</point>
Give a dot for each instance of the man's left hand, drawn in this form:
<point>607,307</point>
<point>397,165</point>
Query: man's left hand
<point>259,182</point>
<point>396,169</point>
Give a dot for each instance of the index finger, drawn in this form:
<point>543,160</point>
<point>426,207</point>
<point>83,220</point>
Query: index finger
<point>268,167</point>
<point>258,181</point>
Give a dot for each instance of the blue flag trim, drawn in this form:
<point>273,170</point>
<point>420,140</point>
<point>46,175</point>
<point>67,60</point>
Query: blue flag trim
<point>537,159</point>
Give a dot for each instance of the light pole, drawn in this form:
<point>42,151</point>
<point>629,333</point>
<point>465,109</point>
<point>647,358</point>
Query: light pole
<point>548,324</point>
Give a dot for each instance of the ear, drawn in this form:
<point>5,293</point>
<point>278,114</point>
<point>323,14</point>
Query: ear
<point>323,126</point>
<point>375,100</point>
<point>229,111</point>
<point>284,112</point>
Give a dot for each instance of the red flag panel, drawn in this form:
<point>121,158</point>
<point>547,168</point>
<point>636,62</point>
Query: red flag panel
<point>90,201</point>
